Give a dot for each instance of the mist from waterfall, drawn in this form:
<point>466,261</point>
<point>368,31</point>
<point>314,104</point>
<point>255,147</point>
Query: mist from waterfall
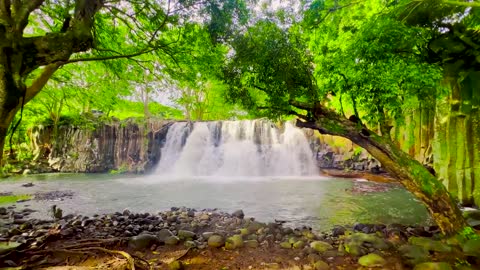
<point>236,148</point>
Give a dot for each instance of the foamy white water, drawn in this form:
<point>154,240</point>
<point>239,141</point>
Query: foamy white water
<point>236,148</point>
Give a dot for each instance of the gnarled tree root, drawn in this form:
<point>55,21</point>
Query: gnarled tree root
<point>83,249</point>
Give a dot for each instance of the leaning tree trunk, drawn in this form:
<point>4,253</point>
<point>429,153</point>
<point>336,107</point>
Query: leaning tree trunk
<point>409,172</point>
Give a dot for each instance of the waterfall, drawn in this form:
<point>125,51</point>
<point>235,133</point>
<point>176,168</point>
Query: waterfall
<point>236,148</point>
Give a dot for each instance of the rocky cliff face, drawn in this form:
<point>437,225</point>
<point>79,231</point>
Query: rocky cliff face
<point>341,154</point>
<point>122,146</point>
<point>456,145</point>
<point>129,146</point>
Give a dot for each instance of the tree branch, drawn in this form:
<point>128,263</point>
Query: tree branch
<point>40,82</point>
<point>5,13</point>
<point>311,125</point>
<point>461,4</point>
<point>301,105</point>
<point>101,58</point>
<point>21,20</point>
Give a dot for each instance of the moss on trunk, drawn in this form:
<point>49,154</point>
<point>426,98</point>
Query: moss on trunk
<point>409,172</point>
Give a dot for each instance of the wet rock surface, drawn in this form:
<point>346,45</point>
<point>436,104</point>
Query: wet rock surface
<point>250,243</point>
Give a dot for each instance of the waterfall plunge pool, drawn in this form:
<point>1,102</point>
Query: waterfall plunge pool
<point>318,202</point>
<point>245,164</point>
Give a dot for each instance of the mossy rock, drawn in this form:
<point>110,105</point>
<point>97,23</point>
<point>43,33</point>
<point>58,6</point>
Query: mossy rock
<point>292,240</point>
<point>372,260</point>
<point>243,231</point>
<point>354,244</point>
<point>175,265</point>
<point>299,244</point>
<point>172,240</point>
<point>8,246</point>
<point>321,265</point>
<point>286,245</point>
<point>216,241</point>
<point>254,226</point>
<point>414,254</point>
<point>430,244</point>
<point>234,242</point>
<point>186,235</point>
<point>320,246</point>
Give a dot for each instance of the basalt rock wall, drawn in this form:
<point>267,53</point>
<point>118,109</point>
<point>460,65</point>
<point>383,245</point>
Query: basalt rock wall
<point>125,146</point>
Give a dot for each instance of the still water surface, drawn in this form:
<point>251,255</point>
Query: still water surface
<point>313,201</point>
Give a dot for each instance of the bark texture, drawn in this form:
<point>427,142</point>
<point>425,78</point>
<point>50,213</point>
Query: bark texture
<point>409,172</point>
<point>20,55</point>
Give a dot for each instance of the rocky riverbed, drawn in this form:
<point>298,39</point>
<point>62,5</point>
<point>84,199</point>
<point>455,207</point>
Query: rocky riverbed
<point>184,238</point>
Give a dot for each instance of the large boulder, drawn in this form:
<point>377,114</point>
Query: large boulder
<point>143,241</point>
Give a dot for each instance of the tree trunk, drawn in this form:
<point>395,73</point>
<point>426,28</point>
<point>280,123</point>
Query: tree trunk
<point>3,135</point>
<point>409,172</point>
<point>7,113</point>
<point>10,98</point>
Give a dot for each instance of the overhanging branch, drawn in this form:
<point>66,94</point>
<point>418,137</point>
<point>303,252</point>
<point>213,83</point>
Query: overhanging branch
<point>103,58</point>
<point>462,4</point>
<point>290,112</point>
<point>40,82</point>
<point>301,105</point>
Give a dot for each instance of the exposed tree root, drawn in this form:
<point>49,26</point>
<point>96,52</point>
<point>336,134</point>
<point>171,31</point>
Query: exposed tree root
<point>95,242</point>
<point>127,256</point>
<point>83,249</point>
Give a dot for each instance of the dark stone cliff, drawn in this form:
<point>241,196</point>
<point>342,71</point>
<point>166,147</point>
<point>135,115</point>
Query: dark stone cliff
<point>124,146</point>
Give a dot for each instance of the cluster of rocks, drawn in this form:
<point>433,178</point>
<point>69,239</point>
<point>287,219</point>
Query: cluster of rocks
<point>57,195</point>
<point>209,228</point>
<point>347,160</point>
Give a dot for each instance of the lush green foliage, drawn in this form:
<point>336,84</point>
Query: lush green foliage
<point>367,58</point>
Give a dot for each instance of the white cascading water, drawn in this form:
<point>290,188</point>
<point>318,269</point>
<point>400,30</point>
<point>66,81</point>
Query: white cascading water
<point>236,148</point>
